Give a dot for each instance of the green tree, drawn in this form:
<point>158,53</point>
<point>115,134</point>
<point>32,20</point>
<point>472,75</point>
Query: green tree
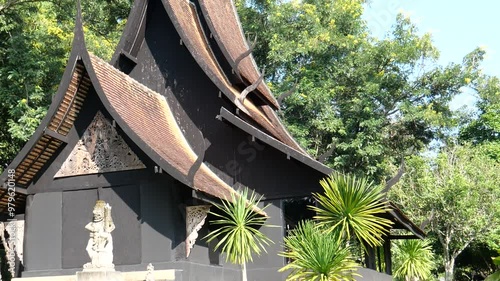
<point>459,187</point>
<point>368,100</point>
<point>484,129</point>
<point>35,40</point>
<point>353,207</point>
<point>414,260</point>
<point>238,233</point>
<point>317,255</point>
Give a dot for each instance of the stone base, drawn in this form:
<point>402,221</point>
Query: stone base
<point>99,276</point>
<point>163,275</point>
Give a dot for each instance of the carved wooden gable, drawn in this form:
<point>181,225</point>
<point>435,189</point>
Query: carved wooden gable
<point>195,219</point>
<point>101,149</point>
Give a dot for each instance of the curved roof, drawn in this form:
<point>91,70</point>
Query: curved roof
<point>224,23</point>
<point>185,19</point>
<point>125,99</point>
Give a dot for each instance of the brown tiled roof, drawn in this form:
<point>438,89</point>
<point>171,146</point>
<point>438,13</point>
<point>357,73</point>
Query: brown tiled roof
<point>185,19</point>
<point>226,28</point>
<point>148,115</point>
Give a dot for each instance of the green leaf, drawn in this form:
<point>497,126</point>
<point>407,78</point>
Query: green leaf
<point>238,231</point>
<point>353,207</point>
<point>316,254</point>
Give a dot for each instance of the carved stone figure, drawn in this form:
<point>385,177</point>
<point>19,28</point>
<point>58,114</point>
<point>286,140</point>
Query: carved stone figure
<point>13,245</point>
<point>100,245</point>
<point>150,274</point>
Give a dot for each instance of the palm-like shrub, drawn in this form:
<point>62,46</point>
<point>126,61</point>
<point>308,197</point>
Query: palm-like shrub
<point>316,255</point>
<point>414,260</point>
<point>238,233</point>
<point>353,206</point>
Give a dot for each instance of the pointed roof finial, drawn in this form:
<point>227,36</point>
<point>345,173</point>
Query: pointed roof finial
<point>78,38</point>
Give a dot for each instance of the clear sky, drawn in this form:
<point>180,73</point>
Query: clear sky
<point>457,28</point>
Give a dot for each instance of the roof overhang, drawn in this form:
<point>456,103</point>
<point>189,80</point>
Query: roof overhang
<point>403,222</point>
<point>288,151</point>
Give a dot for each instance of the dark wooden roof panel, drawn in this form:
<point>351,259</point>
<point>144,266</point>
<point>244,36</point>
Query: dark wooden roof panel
<point>223,21</point>
<point>184,17</point>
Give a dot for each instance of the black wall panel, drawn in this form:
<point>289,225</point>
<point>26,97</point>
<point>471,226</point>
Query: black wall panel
<point>77,213</point>
<point>157,221</point>
<point>265,267</point>
<point>43,238</point>
<point>125,203</point>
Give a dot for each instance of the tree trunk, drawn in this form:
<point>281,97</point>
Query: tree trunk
<point>244,271</point>
<point>449,267</point>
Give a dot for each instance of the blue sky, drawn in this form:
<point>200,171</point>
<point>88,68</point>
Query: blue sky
<point>457,28</point>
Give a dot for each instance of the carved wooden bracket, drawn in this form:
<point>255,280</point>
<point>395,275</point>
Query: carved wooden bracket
<point>101,149</point>
<point>195,218</point>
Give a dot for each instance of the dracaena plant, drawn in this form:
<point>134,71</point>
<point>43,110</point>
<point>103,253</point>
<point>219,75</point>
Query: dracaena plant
<point>316,255</point>
<point>238,231</point>
<point>414,260</point>
<point>353,207</point>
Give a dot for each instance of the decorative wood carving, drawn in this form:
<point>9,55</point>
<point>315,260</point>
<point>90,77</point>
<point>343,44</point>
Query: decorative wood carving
<point>195,218</point>
<point>101,149</point>
<point>14,244</point>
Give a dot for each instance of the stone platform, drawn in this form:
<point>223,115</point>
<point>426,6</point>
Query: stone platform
<point>99,276</point>
<point>159,275</point>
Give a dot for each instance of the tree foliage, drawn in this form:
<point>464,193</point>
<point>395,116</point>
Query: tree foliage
<point>369,100</point>
<point>35,40</point>
<point>484,129</point>
<point>496,275</point>
<point>459,187</point>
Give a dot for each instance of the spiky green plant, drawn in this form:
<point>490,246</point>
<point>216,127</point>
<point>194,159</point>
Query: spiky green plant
<point>352,206</point>
<point>413,260</point>
<point>316,255</point>
<point>238,233</point>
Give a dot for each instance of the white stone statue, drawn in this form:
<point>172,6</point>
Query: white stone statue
<point>100,245</point>
<point>150,274</point>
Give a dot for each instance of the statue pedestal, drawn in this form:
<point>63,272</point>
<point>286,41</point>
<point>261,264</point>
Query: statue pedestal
<point>99,275</point>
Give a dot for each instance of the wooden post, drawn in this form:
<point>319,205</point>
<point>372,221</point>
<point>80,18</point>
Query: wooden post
<point>387,256</point>
<point>370,260</point>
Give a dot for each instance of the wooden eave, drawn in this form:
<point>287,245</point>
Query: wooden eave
<point>403,222</point>
<point>288,151</point>
<point>224,23</point>
<point>50,135</point>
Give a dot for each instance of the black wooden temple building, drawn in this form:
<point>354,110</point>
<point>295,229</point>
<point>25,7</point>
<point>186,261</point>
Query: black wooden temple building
<point>179,118</point>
